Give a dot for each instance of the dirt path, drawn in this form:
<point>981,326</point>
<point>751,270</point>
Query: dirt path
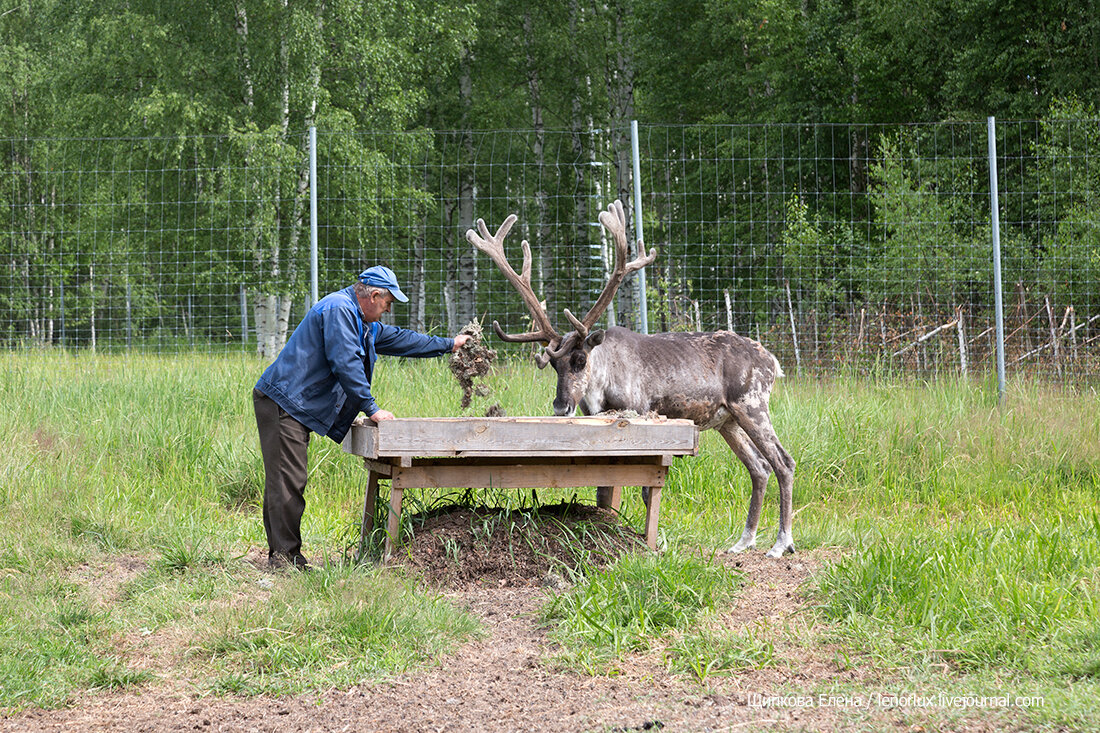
<point>498,683</point>
<point>502,683</point>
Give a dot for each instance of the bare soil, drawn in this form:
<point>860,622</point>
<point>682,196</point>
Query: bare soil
<point>503,682</point>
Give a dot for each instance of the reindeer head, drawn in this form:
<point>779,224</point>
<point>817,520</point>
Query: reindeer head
<point>571,360</point>
<point>569,355</point>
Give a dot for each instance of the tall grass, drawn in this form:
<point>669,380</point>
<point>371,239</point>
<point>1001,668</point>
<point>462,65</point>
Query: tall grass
<point>1025,598</point>
<point>130,490</point>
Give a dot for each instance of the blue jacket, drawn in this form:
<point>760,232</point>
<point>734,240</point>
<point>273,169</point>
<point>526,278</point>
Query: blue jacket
<point>322,376</point>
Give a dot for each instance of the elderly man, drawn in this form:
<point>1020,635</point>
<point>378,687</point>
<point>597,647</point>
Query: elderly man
<point>319,383</point>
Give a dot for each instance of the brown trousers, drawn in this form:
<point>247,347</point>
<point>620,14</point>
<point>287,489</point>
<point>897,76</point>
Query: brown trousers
<point>284,443</point>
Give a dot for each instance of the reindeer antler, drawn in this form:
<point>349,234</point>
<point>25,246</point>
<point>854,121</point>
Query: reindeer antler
<point>614,220</point>
<point>493,245</point>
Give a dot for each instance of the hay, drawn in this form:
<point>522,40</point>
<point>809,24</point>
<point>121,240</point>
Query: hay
<point>470,364</point>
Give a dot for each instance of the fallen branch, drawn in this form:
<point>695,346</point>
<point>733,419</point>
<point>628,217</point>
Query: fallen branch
<point>980,335</point>
<point>794,331</point>
<point>1046,346</point>
<point>925,337</point>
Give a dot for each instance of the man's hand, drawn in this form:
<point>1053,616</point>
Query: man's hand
<point>382,415</point>
<point>460,341</point>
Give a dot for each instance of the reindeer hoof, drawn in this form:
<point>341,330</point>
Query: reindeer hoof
<point>745,543</point>
<point>779,550</point>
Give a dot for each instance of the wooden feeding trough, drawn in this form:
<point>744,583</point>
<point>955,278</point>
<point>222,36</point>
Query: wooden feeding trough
<point>518,452</point>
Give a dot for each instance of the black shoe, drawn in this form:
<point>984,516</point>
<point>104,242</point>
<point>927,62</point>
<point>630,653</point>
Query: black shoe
<point>278,560</point>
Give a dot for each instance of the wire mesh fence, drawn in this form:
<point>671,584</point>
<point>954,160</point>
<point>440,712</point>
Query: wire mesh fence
<point>841,247</point>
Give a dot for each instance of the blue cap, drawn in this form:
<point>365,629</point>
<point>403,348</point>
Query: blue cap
<point>383,277</point>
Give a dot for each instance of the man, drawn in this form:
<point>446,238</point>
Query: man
<point>319,383</point>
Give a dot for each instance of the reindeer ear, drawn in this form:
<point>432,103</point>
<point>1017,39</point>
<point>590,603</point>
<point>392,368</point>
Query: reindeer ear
<point>594,339</point>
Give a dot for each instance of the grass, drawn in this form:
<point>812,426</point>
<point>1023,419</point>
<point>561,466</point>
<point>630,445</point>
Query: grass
<point>706,652</point>
<point>630,605</point>
<point>1016,597</point>
<point>968,535</point>
<point>152,463</point>
<point>340,626</point>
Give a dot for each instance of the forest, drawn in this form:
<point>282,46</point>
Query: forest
<point>805,165</point>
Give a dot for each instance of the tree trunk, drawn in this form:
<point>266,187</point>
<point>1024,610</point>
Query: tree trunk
<point>620,84</point>
<point>578,127</point>
<point>418,292</point>
<point>417,315</point>
<point>543,280</point>
<point>275,223</point>
<point>298,205</point>
<point>245,59</point>
<point>263,310</point>
<point>48,284</point>
<point>264,303</point>
<point>449,249</point>
<point>465,272</point>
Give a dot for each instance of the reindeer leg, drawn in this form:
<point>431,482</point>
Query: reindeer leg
<point>757,424</point>
<point>759,470</point>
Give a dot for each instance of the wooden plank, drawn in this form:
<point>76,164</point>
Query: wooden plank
<point>361,440</point>
<point>462,475</point>
<point>605,452</point>
<point>555,460</point>
<point>382,468</point>
<point>523,436</point>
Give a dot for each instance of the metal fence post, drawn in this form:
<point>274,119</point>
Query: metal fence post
<point>61,299</point>
<point>998,307</point>
<point>129,316</point>
<point>313,215</point>
<point>643,310</point>
<point>244,315</point>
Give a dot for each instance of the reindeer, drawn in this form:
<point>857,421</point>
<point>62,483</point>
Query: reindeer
<point>720,381</point>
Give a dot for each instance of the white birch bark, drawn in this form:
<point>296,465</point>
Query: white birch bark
<point>544,280</point>
<point>620,80</point>
<point>465,285</point>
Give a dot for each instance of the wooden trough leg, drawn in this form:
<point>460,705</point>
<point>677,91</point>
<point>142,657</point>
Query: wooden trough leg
<point>653,510</point>
<point>609,497</point>
<point>393,525</point>
<point>368,514</point>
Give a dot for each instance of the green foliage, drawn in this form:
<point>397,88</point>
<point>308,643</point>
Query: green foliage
<point>1069,259</point>
<point>931,240</point>
<point>199,111</point>
<point>168,139</point>
<point>777,60</point>
<point>1070,266</point>
<point>817,262</point>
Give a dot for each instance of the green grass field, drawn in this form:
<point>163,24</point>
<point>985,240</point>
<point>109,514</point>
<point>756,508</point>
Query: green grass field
<point>967,534</point>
